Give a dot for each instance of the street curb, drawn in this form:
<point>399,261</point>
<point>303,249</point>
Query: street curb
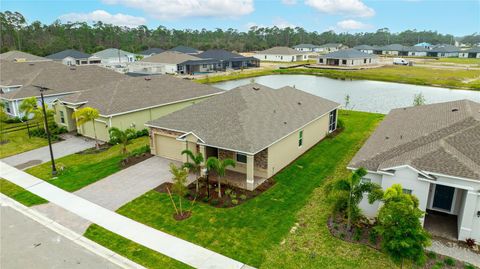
<point>69,234</point>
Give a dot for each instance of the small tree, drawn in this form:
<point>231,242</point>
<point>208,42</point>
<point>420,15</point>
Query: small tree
<point>347,101</point>
<point>195,164</point>
<point>87,114</point>
<point>354,189</point>
<point>179,180</point>
<point>40,117</point>
<point>219,166</point>
<point>418,99</point>
<point>403,236</point>
<point>27,107</point>
<point>121,137</point>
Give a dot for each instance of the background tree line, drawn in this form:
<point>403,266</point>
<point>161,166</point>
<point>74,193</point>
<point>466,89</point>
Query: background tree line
<point>42,39</point>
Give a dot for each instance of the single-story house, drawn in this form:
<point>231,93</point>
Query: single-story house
<point>392,49</point>
<point>470,53</point>
<point>307,48</point>
<point>281,54</point>
<point>229,60</point>
<point>348,58</point>
<point>443,51</point>
<point>433,151</point>
<point>331,47</point>
<point>185,49</point>
<point>20,56</point>
<point>365,48</point>
<point>425,45</point>
<point>20,80</point>
<point>417,51</point>
<point>112,56</point>
<point>263,129</point>
<point>150,52</point>
<point>70,57</point>
<point>130,102</point>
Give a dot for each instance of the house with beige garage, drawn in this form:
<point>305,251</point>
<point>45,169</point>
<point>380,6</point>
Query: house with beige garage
<point>129,103</point>
<point>281,54</point>
<point>348,58</point>
<point>261,128</point>
<point>433,151</point>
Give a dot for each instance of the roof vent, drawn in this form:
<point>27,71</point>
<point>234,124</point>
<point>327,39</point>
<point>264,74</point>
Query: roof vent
<point>31,63</point>
<point>274,111</point>
<point>148,78</point>
<point>299,103</point>
<point>454,109</point>
<point>386,137</point>
<point>285,122</point>
<point>256,88</point>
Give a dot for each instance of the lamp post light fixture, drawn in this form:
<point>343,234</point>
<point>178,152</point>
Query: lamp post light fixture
<point>54,169</point>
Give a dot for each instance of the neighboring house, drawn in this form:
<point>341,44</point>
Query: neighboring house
<point>425,45</point>
<point>433,151</point>
<point>443,51</point>
<point>263,129</point>
<point>185,49</point>
<point>348,58</point>
<point>130,102</point>
<point>112,57</point>
<point>21,80</point>
<point>172,62</point>
<point>20,56</point>
<point>150,52</point>
<point>393,49</point>
<point>307,48</point>
<point>365,48</point>
<point>470,53</point>
<point>417,51</point>
<point>70,57</point>
<point>331,47</point>
<point>229,60</point>
<point>281,54</point>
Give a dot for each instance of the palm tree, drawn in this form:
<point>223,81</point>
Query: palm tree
<point>3,117</point>
<point>179,180</point>
<point>87,114</point>
<point>355,189</point>
<point>195,165</point>
<point>40,117</point>
<point>121,137</point>
<point>213,163</point>
<point>27,107</point>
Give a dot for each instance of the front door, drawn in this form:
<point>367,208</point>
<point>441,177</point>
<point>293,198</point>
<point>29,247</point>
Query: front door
<point>443,197</point>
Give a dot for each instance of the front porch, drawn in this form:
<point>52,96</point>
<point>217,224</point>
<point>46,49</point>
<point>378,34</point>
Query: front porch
<point>237,179</point>
<point>441,224</point>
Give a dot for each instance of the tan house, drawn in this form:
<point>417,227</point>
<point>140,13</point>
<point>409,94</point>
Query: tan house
<point>130,102</point>
<point>263,129</point>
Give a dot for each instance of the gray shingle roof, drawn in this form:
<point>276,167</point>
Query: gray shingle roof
<point>111,53</point>
<point>331,45</point>
<point>348,54</point>
<point>170,57</point>
<point>473,50</point>
<point>68,53</point>
<point>152,51</point>
<point>445,48</point>
<point>221,55</point>
<point>280,51</point>
<point>439,138</point>
<point>248,118</point>
<point>20,56</point>
<point>308,46</point>
<point>184,49</point>
<point>364,47</point>
<point>136,93</point>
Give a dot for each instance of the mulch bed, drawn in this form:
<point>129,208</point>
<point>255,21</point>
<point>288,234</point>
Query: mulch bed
<point>186,215</point>
<point>231,196</point>
<point>94,150</point>
<point>3,142</point>
<point>132,160</point>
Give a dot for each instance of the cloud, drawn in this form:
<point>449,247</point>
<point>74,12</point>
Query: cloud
<point>352,25</point>
<point>177,9</point>
<point>289,2</point>
<point>349,8</point>
<point>102,15</point>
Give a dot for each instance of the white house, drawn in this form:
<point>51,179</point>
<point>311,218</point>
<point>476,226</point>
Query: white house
<point>348,58</point>
<point>433,151</point>
<point>331,47</point>
<point>470,53</point>
<point>365,48</point>
<point>281,54</point>
<point>443,51</point>
<point>113,56</point>
<point>307,48</point>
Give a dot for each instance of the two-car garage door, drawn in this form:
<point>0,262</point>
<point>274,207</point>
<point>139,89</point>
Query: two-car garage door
<point>168,147</point>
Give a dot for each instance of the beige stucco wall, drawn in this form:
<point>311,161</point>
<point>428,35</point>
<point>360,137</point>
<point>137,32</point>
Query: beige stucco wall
<point>287,150</point>
<point>67,112</point>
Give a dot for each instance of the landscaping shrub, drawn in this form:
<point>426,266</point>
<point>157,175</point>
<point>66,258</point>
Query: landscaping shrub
<point>143,132</point>
<point>234,202</point>
<point>140,151</point>
<point>437,265</point>
<point>470,242</point>
<point>431,255</point>
<point>134,134</point>
<point>340,124</point>
<point>358,234</point>
<point>13,120</point>
<point>449,261</point>
<point>469,266</point>
<point>373,236</point>
<point>243,197</point>
<point>213,202</point>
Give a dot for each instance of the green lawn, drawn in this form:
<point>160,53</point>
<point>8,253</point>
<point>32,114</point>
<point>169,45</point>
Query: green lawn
<point>20,194</point>
<point>19,142</point>
<point>84,169</point>
<point>460,60</point>
<point>253,231</point>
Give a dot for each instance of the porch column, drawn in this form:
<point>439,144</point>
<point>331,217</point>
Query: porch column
<point>203,151</point>
<point>468,216</point>
<point>250,172</point>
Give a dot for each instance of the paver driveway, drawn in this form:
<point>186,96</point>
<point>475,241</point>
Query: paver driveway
<point>70,145</point>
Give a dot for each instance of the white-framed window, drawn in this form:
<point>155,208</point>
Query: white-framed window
<point>300,138</point>
<point>407,191</point>
<point>365,180</point>
<point>62,117</point>
<point>241,158</point>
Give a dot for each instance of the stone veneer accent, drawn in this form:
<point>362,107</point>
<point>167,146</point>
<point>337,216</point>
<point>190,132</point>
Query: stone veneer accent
<point>260,159</point>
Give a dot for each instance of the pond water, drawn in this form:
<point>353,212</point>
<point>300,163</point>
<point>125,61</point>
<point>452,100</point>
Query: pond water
<point>365,95</point>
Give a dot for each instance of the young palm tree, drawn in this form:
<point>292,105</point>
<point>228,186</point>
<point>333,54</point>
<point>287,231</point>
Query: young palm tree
<point>122,137</point>
<point>355,189</point>
<point>179,180</point>
<point>3,117</point>
<point>195,164</point>
<point>87,114</point>
<point>219,166</point>
<point>40,117</point>
<point>27,107</point>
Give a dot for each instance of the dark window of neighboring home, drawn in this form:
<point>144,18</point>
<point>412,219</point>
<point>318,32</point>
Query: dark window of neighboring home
<point>370,60</point>
<point>7,106</point>
<point>407,191</point>
<point>352,62</point>
<point>281,57</point>
<point>344,61</point>
<point>265,56</point>
<point>241,158</point>
<point>204,66</point>
<point>364,61</point>
<point>333,121</point>
<point>300,138</point>
<point>321,60</point>
<point>62,117</point>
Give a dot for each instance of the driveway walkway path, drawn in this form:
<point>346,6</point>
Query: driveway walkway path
<point>164,243</point>
<point>41,155</point>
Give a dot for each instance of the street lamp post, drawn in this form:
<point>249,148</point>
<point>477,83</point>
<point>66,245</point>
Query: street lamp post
<point>54,169</point>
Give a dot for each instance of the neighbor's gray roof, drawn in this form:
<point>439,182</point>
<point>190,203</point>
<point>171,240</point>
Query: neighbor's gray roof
<point>364,47</point>
<point>445,48</point>
<point>248,118</point>
<point>184,49</point>
<point>136,93</point>
<point>309,46</point>
<point>152,51</point>
<point>20,56</point>
<point>111,53</point>
<point>58,78</point>
<point>280,51</point>
<point>331,45</point>
<point>170,57</point>
<point>68,53</point>
<point>433,138</point>
<point>222,55</point>
<point>473,50</point>
<point>349,54</point>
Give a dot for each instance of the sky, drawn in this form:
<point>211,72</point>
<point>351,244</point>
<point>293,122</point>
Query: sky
<point>457,17</point>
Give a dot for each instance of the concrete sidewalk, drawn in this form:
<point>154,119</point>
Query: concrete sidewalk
<point>161,242</point>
